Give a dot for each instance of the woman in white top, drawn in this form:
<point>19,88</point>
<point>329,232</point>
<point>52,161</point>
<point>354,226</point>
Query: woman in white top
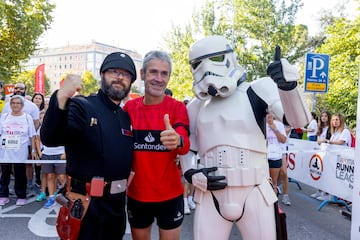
<point>312,128</point>
<point>17,133</point>
<point>275,136</point>
<point>324,133</point>
<point>323,136</point>
<point>340,135</point>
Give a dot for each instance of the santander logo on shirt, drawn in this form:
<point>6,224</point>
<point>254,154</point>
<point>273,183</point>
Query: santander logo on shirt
<point>146,140</point>
<point>149,138</point>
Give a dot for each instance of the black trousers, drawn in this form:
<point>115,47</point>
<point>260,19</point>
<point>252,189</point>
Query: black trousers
<point>105,218</point>
<point>20,179</point>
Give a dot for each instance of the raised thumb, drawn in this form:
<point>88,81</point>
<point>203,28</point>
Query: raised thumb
<point>167,122</point>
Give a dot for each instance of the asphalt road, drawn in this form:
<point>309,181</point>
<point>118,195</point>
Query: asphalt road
<point>304,221</point>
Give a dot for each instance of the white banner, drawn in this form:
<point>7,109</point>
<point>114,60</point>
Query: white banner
<point>326,167</point>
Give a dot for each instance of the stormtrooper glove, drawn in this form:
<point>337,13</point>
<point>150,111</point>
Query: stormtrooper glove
<point>283,74</point>
<point>201,179</point>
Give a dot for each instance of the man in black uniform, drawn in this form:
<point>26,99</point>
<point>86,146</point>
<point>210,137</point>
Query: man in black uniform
<point>98,142</point>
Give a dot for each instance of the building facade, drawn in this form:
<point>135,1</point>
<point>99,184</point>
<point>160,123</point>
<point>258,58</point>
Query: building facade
<point>77,59</point>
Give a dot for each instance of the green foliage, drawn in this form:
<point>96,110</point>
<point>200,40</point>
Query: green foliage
<point>90,84</point>
<point>28,78</point>
<point>21,24</point>
<point>343,45</point>
<point>258,27</point>
<point>178,43</point>
<point>135,89</point>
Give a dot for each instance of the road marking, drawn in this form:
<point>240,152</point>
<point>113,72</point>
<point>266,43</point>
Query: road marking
<point>38,224</point>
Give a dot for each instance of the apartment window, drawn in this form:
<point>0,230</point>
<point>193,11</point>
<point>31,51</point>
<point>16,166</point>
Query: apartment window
<point>90,56</point>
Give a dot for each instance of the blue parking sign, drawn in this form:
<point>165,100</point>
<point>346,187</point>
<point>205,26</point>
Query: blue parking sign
<point>316,72</point>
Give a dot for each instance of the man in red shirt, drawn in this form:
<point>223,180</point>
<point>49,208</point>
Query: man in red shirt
<point>160,128</point>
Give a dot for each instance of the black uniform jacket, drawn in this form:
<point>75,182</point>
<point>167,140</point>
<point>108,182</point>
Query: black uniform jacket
<point>96,134</point>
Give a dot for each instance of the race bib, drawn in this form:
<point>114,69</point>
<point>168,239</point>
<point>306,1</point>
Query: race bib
<point>11,142</point>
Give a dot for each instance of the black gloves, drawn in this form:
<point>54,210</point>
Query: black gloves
<point>275,71</point>
<point>213,182</point>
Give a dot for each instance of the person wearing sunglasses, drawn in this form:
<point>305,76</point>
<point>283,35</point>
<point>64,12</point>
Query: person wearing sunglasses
<point>98,142</point>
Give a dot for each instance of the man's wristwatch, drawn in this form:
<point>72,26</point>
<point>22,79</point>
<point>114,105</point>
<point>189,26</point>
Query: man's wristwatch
<point>181,144</point>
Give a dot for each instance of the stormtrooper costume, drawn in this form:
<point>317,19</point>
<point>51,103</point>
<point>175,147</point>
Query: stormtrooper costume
<point>227,131</point>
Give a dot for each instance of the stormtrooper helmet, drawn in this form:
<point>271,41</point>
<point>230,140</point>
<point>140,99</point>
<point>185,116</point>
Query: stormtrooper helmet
<point>215,69</point>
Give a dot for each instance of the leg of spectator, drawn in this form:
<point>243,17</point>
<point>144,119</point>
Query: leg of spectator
<point>51,184</point>
<point>29,175</point>
<point>191,202</point>
<point>42,194</point>
<point>186,192</point>
<point>20,183</point>
<point>274,174</point>
<point>285,181</point>
<point>5,179</point>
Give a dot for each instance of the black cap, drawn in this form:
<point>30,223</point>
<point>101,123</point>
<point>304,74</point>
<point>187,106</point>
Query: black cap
<point>119,60</point>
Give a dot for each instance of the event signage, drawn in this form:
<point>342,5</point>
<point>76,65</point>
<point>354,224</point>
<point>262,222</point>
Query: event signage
<point>316,72</point>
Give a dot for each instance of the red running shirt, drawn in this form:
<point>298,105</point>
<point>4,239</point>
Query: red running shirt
<point>157,177</point>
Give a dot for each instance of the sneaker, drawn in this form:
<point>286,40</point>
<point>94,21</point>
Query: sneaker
<point>317,194</point>
<point>4,200</point>
<point>325,196</point>
<point>186,209</point>
<point>279,190</point>
<point>286,200</point>
<point>21,202</point>
<point>41,197</point>
<point>191,204</point>
<point>50,203</point>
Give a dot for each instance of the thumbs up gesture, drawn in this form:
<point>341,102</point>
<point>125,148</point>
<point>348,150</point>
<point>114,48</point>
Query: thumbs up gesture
<point>283,74</point>
<point>169,137</point>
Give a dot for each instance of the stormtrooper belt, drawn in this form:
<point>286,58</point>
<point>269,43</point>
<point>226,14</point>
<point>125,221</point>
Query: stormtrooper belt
<point>242,176</point>
<point>241,167</point>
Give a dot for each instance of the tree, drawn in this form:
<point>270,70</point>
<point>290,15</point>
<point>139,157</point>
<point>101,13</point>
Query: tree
<point>90,84</point>
<point>28,78</point>
<point>178,42</point>
<point>21,24</point>
<point>343,45</point>
<point>255,28</point>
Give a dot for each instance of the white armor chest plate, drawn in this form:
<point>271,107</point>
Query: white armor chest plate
<point>227,129</point>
